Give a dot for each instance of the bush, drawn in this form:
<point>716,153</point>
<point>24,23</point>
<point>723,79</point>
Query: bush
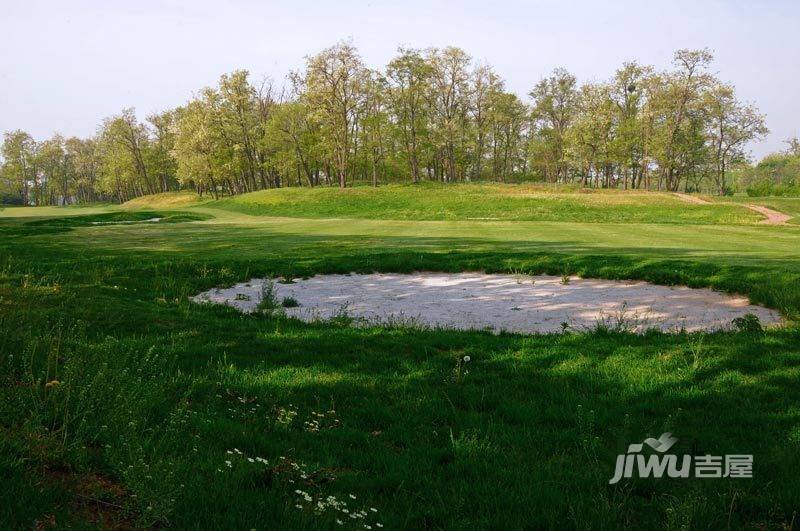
<point>290,302</point>
<point>748,323</point>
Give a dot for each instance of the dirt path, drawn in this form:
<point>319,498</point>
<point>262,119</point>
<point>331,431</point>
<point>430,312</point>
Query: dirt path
<point>691,199</point>
<point>773,217</point>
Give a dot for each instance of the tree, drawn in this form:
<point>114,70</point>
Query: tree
<point>160,160</point>
<point>19,167</point>
<point>126,141</point>
<point>201,161</point>
<point>448,98</point>
<point>333,88</point>
<point>679,100</point>
<point>732,125</point>
<point>409,77</point>
<point>554,104</point>
<point>293,139</point>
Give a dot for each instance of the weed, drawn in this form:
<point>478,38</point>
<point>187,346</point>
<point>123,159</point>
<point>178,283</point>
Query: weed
<point>268,302</point>
<point>748,323</point>
<point>289,302</point>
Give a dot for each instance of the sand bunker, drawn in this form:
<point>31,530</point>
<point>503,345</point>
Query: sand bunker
<point>513,303</point>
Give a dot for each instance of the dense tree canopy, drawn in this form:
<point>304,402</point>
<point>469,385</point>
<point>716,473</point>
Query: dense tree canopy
<point>429,115</point>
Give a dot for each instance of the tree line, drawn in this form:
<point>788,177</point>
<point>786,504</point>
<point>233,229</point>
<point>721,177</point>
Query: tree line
<point>433,114</point>
<point>776,174</point>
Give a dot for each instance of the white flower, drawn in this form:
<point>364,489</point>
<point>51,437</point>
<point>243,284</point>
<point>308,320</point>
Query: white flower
<point>353,496</point>
<point>467,359</point>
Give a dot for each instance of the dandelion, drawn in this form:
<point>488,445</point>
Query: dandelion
<point>467,359</point>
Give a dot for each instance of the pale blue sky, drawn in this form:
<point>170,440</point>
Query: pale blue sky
<point>66,65</point>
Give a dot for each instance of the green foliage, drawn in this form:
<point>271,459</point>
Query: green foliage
<point>289,302</point>
<point>748,323</point>
<point>432,115</point>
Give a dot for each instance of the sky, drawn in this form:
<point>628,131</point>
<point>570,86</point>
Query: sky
<point>64,66</point>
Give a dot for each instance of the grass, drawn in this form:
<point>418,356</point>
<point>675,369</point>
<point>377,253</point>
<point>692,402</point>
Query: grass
<point>787,205</point>
<point>481,202</point>
<point>159,405</point>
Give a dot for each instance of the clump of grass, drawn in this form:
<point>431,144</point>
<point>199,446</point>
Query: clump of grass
<point>289,302</point>
<point>748,323</point>
<point>565,279</point>
<point>269,299</point>
<point>242,297</point>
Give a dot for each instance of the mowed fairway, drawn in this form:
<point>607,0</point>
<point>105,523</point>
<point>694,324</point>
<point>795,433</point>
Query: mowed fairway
<point>170,413</point>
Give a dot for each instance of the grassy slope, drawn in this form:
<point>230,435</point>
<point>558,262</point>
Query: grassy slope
<point>788,205</point>
<point>481,202</point>
<point>160,389</point>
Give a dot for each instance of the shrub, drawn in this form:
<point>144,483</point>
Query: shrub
<point>290,302</point>
<point>748,323</point>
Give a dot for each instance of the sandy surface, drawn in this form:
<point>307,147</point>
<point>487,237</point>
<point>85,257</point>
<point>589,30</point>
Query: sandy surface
<point>693,199</point>
<point>773,217</point>
<point>513,303</point>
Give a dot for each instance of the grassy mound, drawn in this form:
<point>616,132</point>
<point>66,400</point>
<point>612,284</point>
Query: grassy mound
<point>482,202</point>
<point>183,198</point>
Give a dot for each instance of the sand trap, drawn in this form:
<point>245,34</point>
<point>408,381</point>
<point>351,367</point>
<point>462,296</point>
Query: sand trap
<point>513,303</point>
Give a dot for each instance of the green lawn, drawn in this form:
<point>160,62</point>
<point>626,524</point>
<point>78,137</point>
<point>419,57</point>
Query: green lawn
<point>482,202</point>
<point>787,205</point>
<point>155,391</point>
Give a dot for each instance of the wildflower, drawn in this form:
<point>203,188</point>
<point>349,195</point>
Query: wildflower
<point>467,359</point>
<point>353,496</point>
<point>339,522</point>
